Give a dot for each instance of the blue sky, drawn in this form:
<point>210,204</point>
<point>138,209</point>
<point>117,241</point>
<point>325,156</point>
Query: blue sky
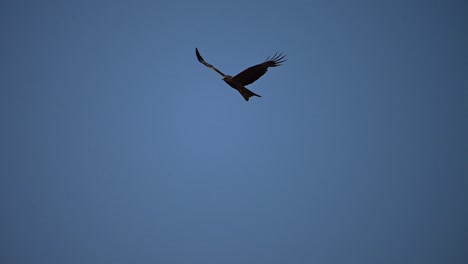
<point>118,146</point>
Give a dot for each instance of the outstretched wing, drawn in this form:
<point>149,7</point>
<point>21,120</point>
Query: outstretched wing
<point>200,59</point>
<point>253,73</point>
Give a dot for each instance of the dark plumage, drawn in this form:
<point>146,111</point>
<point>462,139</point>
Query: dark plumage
<point>247,76</point>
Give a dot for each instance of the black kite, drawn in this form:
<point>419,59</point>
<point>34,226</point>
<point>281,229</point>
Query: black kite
<point>248,75</point>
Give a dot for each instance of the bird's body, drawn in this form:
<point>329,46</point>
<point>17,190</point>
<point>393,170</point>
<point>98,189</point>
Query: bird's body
<point>247,76</point>
<point>246,93</point>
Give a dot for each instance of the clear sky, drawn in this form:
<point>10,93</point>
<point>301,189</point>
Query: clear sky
<point>118,146</point>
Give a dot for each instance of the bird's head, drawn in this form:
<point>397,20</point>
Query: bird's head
<point>227,77</point>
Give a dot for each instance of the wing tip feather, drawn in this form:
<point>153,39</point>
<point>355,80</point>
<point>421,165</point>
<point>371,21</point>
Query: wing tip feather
<point>276,60</point>
<point>199,57</point>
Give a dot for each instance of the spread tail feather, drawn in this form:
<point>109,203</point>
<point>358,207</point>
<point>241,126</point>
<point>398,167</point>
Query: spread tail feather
<point>246,93</point>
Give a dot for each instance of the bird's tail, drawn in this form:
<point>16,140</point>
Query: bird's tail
<point>246,93</point>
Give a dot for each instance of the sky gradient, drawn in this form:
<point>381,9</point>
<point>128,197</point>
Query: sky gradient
<point>118,146</point>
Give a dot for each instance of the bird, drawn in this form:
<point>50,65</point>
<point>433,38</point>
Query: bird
<point>247,76</point>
